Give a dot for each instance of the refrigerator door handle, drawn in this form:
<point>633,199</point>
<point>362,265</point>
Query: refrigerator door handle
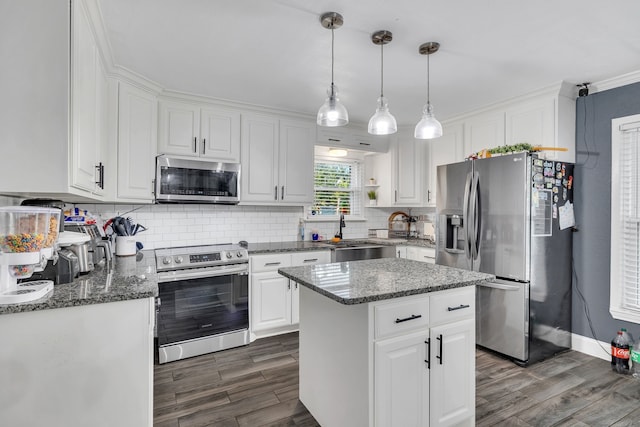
<point>475,194</point>
<point>465,217</point>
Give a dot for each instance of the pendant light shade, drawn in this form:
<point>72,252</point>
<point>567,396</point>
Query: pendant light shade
<point>382,122</point>
<point>332,112</point>
<point>428,127</point>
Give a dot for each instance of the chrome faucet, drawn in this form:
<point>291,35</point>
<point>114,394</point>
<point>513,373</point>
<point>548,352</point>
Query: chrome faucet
<point>342,224</point>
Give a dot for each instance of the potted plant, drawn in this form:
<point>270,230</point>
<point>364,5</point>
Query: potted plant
<point>372,197</point>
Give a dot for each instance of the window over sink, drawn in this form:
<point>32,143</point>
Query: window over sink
<point>337,188</point>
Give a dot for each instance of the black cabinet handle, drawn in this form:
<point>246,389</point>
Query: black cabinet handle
<point>428,359</point>
<point>204,145</point>
<point>460,307</point>
<point>275,196</point>
<point>195,144</point>
<point>100,172</point>
<point>413,316</point>
<point>282,193</point>
<point>440,356</point>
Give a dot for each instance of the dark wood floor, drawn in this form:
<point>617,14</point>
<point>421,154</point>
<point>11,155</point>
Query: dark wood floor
<point>257,385</point>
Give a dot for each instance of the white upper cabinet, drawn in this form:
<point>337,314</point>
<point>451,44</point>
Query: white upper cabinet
<point>54,102</point>
<point>400,173</point>
<point>199,130</point>
<point>137,141</point>
<point>442,151</point>
<point>545,119</point>
<point>277,160</point>
<point>348,137</point>
<point>485,130</point>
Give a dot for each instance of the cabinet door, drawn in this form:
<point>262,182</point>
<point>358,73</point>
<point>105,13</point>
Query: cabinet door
<point>84,96</point>
<point>418,253</point>
<point>452,378</point>
<point>259,178</point>
<point>179,128</point>
<point>295,164</point>
<point>401,381</point>
<point>444,150</point>
<point>485,130</point>
<point>220,134</point>
<point>137,141</point>
<point>531,123</point>
<point>270,301</point>
<point>408,170</point>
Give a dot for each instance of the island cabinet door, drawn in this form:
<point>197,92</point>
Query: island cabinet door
<point>452,372</point>
<point>401,381</point>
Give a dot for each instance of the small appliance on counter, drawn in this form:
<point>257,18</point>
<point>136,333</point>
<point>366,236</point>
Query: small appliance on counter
<point>27,239</point>
<point>99,247</point>
<point>78,244</point>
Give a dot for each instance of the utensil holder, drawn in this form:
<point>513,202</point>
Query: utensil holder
<point>125,245</point>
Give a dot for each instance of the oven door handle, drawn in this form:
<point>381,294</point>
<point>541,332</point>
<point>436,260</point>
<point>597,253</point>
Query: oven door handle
<point>172,276</point>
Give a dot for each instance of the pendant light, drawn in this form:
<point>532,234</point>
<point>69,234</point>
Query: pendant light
<point>428,127</point>
<point>332,112</point>
<point>382,122</point>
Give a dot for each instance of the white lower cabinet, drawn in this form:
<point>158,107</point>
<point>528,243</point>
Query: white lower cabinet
<point>402,381</point>
<point>90,365</point>
<point>408,361</point>
<point>417,253</point>
<point>424,359</point>
<point>274,298</point>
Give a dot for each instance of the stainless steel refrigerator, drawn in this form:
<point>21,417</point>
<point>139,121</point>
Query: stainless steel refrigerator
<point>512,216</point>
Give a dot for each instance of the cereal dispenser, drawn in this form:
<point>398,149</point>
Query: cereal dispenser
<point>27,239</point>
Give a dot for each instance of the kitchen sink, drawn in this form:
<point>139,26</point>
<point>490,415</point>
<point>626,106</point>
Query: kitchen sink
<point>341,252</point>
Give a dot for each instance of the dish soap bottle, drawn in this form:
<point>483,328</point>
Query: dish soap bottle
<point>301,229</point>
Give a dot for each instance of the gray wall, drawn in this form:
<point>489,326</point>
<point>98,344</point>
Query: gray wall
<point>592,196</point>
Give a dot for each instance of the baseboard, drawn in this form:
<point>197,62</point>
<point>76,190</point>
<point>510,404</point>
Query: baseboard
<point>590,346</point>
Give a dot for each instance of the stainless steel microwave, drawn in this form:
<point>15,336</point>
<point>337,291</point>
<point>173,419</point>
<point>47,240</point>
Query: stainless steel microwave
<point>180,180</point>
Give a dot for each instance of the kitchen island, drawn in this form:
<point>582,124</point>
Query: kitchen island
<point>83,354</point>
<point>387,342</point>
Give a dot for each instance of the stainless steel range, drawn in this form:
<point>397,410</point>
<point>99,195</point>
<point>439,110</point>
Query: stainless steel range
<point>203,301</point>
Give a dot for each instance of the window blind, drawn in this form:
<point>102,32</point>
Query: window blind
<point>629,162</point>
<point>337,188</point>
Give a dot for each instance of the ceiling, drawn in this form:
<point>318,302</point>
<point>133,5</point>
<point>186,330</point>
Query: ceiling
<point>275,53</point>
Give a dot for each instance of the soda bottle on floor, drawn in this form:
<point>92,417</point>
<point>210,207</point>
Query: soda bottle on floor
<point>635,359</point>
<point>620,354</point>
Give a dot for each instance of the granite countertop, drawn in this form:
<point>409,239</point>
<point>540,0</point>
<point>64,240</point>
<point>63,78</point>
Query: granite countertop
<point>308,245</point>
<point>125,278</point>
<point>358,282</point>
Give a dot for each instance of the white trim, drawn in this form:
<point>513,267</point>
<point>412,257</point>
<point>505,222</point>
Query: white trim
<point>590,346</point>
<point>616,307</point>
<point>615,82</point>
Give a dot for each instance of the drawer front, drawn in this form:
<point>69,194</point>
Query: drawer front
<point>447,306</point>
<point>310,258</point>
<point>399,317</point>
<point>270,262</point>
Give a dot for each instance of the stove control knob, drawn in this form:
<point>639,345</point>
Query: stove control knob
<point>179,260</point>
<point>166,260</point>
<point>229,255</point>
<point>239,254</point>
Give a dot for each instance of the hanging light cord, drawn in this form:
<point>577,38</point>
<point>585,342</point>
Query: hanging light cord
<point>381,69</point>
<point>428,102</point>
<point>332,57</point>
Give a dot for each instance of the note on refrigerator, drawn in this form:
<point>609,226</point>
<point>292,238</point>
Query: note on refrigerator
<point>567,218</point>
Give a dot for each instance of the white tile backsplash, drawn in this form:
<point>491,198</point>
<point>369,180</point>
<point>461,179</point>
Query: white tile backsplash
<point>199,224</point>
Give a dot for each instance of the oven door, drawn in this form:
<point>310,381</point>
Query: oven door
<point>192,307</point>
